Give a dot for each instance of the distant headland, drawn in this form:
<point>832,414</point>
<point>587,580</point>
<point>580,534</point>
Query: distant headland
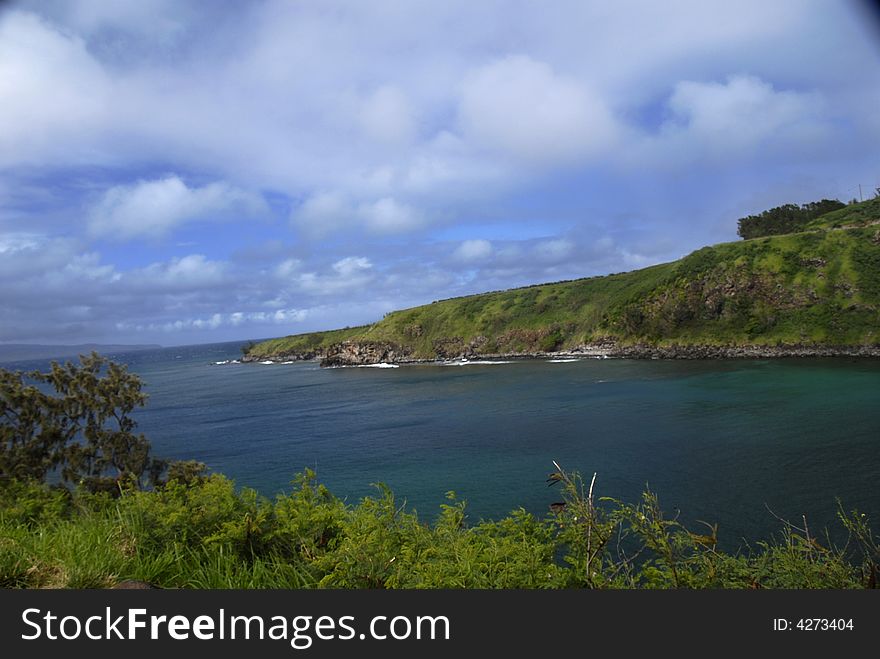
<point>804,282</point>
<point>10,352</point>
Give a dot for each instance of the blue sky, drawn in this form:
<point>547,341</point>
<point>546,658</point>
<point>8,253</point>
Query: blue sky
<point>186,172</point>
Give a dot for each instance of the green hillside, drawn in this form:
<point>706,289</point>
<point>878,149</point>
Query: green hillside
<point>817,287</point>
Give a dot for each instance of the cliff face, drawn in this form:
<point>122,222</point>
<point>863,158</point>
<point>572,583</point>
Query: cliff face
<point>811,293</point>
<point>361,353</point>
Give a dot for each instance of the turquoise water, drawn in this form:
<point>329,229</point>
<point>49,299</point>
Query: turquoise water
<point>718,440</point>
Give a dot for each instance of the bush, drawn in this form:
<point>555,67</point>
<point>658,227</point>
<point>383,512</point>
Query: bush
<point>206,534</point>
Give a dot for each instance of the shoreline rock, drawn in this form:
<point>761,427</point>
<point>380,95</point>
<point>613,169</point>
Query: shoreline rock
<point>354,353</point>
<point>285,357</point>
<point>743,351</point>
<point>363,353</point>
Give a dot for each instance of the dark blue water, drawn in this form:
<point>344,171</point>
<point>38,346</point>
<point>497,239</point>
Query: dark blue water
<point>716,439</point>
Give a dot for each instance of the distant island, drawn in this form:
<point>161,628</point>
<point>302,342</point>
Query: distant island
<point>804,282</point>
<point>10,352</point>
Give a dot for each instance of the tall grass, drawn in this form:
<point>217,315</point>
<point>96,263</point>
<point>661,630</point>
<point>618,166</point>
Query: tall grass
<point>206,534</point>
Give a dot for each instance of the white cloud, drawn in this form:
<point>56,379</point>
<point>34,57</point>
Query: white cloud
<point>32,259</point>
<point>348,275</point>
<point>387,215</point>
<point>234,319</point>
<point>276,111</point>
<point>152,208</point>
<point>285,316</point>
<point>322,213</point>
<point>146,16</point>
<point>287,268</point>
<point>387,116</point>
<point>352,265</point>
<point>216,321</point>
<point>328,212</point>
<point>510,253</point>
<point>85,267</point>
<point>522,108</point>
<point>553,251</point>
<point>739,117</point>
<point>208,323</point>
<point>54,94</point>
<point>473,251</point>
<point>16,242</point>
<point>189,272</point>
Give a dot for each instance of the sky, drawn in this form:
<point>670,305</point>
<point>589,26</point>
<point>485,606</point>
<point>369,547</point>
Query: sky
<point>181,172</point>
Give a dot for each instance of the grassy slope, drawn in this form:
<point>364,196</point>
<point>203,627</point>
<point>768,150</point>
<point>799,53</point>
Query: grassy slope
<point>819,286</point>
<point>304,343</point>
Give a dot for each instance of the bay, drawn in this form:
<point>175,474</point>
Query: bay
<point>719,441</point>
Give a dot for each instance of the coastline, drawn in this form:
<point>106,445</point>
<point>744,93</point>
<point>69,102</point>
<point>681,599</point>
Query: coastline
<point>367,354</point>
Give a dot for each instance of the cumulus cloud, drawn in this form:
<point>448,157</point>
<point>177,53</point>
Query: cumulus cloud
<point>152,208</point>
<point>17,242</point>
<point>326,212</point>
<point>346,275</point>
<point>192,271</point>
<point>56,262</point>
<point>740,116</point>
<point>54,93</point>
<point>82,268</point>
<point>387,116</point>
<point>278,316</point>
<point>49,288</point>
<point>55,291</point>
<point>524,109</point>
<point>352,265</point>
<point>147,16</point>
<point>287,268</point>
<point>387,215</point>
<point>322,213</point>
<point>473,251</point>
<point>553,251</point>
<point>218,320</point>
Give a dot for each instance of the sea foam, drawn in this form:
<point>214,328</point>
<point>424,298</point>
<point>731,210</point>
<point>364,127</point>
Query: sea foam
<point>477,362</point>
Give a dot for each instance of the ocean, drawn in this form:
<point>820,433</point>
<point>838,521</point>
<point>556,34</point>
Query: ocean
<point>726,442</point>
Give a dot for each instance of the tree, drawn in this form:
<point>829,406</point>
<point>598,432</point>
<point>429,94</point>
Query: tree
<point>29,441</point>
<point>85,429</point>
<point>788,218</point>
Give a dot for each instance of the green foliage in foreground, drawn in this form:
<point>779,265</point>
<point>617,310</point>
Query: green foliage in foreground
<point>200,532</point>
<point>820,286</point>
